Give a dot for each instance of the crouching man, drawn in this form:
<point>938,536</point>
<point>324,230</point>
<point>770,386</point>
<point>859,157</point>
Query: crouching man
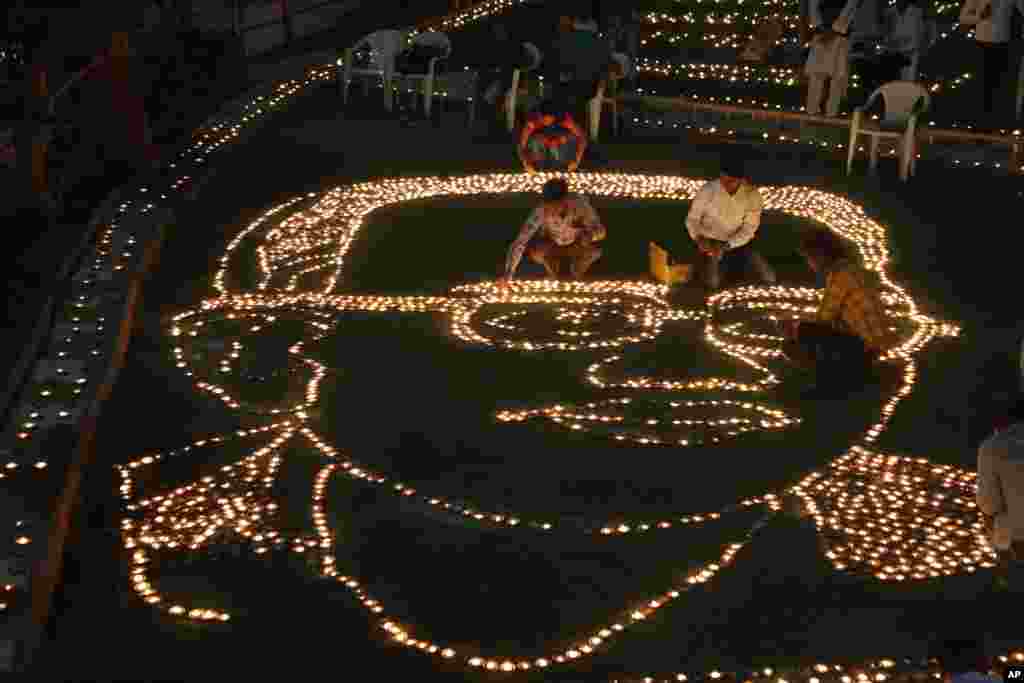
<point>851,329</point>
<point>723,220</point>
<point>559,235</point>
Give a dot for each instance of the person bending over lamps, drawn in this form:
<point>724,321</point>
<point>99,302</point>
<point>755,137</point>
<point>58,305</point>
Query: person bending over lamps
<point>851,329</point>
<point>563,229</point>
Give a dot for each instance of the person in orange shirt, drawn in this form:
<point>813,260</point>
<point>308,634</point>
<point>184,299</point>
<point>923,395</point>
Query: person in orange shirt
<point>551,140</point>
<point>851,329</point>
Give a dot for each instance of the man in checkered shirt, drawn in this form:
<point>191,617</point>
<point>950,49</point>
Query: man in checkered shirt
<point>851,329</point>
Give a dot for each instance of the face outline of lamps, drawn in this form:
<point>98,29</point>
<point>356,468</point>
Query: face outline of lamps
<point>261,465</point>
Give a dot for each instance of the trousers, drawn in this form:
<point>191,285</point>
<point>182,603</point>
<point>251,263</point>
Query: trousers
<point>579,256</point>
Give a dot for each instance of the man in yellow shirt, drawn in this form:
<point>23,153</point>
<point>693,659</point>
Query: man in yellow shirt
<point>851,328</point>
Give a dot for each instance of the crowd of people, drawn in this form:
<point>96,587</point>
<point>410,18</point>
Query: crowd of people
<point>878,41</point>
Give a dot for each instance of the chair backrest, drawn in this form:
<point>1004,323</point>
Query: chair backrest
<point>434,39</point>
<point>384,46</point>
<point>902,99</point>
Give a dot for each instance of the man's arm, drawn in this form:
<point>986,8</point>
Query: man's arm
<point>751,221</point>
<point>990,494</point>
<point>591,221</point>
<point>515,252</point>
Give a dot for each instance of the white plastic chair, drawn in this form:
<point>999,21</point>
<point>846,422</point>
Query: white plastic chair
<point>426,80</point>
<point>904,102</point>
<point>600,100</point>
<point>512,96</point>
<point>384,47</point>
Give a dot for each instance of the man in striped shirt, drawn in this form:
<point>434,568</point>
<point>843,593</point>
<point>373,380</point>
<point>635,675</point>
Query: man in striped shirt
<point>562,229</point>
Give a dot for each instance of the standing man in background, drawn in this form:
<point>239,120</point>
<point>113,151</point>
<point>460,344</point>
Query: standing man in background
<point>574,67</point>
<point>828,64</point>
<point>992,21</point>
<point>903,42</point>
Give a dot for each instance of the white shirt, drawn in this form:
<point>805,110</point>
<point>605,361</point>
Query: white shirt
<point>718,215</point>
<point>995,29</point>
<point>1001,484</point>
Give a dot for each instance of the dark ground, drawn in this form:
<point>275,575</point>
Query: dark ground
<point>961,280</point>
